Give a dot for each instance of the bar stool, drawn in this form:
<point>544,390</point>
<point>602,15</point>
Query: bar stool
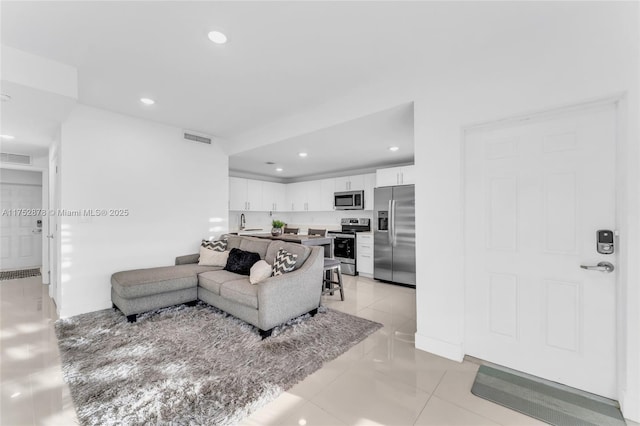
<point>329,286</point>
<point>290,230</point>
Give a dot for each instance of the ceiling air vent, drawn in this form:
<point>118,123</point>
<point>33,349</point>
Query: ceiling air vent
<point>196,138</point>
<point>15,158</point>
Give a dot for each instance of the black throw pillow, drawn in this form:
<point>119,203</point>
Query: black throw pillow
<point>241,261</point>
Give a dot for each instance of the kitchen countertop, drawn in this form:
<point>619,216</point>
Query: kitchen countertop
<point>292,238</point>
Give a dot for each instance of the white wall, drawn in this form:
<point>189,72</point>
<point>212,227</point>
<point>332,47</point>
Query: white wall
<point>176,192</point>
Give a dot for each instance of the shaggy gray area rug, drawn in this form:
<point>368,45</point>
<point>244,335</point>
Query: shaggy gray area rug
<point>192,365</point>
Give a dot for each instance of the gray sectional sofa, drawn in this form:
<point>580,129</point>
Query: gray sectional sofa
<point>264,305</point>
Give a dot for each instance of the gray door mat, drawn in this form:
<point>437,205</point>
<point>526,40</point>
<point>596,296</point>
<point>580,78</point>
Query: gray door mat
<point>545,400</point>
<point>22,273</point>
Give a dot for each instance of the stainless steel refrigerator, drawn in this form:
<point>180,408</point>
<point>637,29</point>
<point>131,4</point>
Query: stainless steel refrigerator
<point>394,233</point>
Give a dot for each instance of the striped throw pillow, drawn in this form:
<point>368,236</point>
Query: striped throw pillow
<point>219,245</point>
<point>284,262</point>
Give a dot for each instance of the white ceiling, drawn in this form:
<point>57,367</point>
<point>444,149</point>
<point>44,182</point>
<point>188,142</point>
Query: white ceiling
<point>357,144</point>
<point>282,58</point>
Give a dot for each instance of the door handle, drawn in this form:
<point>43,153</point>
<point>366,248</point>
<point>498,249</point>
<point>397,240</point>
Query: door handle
<point>50,236</point>
<point>602,267</point>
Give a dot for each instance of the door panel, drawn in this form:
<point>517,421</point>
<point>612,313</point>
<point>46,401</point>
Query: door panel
<point>21,237</point>
<point>382,250</point>
<point>404,256</point>
<point>535,194</point>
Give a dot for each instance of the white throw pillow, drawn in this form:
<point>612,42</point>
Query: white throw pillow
<point>212,257</point>
<point>260,271</point>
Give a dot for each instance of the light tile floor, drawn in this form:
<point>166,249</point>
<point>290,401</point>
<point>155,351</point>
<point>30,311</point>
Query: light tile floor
<point>383,380</point>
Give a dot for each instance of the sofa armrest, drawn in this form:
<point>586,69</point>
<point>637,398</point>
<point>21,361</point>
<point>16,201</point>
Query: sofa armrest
<point>189,258</point>
<point>292,294</point>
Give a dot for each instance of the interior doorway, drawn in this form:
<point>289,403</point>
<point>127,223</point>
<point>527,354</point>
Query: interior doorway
<point>537,191</point>
<point>22,221</point>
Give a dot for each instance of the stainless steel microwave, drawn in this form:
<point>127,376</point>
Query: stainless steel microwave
<point>348,200</point>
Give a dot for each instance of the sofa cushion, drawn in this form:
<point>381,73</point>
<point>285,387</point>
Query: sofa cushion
<point>212,257</point>
<point>284,262</point>
<point>212,280</point>
<point>255,245</point>
<point>151,281</point>
<point>241,261</point>
<point>302,252</point>
<point>233,241</point>
<point>240,291</point>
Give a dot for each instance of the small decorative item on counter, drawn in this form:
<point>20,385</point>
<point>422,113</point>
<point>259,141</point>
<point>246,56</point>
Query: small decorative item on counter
<point>277,226</point>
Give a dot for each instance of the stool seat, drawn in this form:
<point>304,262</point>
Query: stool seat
<point>329,286</point>
<point>330,263</point>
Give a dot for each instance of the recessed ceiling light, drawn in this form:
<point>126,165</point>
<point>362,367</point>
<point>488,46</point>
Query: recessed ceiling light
<point>217,37</point>
<point>147,101</point>
<point>393,148</point>
<point>7,137</point>
<point>279,169</point>
<point>302,154</point>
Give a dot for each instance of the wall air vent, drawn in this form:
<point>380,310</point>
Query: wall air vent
<point>15,158</point>
<point>191,136</point>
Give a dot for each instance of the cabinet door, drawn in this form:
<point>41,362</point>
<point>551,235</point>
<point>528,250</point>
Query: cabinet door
<point>328,187</point>
<point>254,195</point>
<point>313,191</point>
<point>296,197</point>
<point>388,177</point>
<point>407,175</point>
<point>269,190</point>
<point>279,198</point>
<point>369,184</point>
<point>356,183</point>
<point>364,257</point>
<point>237,194</point>
<point>342,183</point>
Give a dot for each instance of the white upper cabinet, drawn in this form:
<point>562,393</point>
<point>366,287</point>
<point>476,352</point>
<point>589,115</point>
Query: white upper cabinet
<point>237,193</point>
<point>315,195</point>
<point>326,195</point>
<point>369,184</point>
<point>296,197</point>
<point>349,183</point>
<point>273,197</point>
<point>395,176</point>
<point>245,194</point>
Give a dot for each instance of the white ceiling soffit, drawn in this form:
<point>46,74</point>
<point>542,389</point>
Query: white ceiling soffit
<point>358,144</point>
<point>33,117</point>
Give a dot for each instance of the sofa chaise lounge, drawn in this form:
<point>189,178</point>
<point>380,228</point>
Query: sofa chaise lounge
<point>265,305</point>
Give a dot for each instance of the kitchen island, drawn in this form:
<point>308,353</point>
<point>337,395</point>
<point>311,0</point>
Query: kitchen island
<point>305,240</point>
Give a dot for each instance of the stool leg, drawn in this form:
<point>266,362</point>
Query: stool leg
<point>340,283</point>
<point>331,280</point>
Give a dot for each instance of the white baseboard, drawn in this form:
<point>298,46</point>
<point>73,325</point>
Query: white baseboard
<point>630,406</point>
<point>452,351</point>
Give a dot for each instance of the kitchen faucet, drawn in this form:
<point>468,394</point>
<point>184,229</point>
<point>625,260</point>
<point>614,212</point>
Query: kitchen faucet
<point>243,223</point>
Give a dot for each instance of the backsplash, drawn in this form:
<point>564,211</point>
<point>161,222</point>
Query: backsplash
<point>302,220</point>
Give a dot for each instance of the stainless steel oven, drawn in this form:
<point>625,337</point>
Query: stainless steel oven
<point>344,249</point>
<point>344,243</point>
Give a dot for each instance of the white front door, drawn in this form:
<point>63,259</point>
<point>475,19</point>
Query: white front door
<point>20,235</point>
<point>536,192</point>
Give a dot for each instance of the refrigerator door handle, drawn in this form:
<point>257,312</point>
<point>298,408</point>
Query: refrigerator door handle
<point>390,227</point>
<point>393,223</point>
